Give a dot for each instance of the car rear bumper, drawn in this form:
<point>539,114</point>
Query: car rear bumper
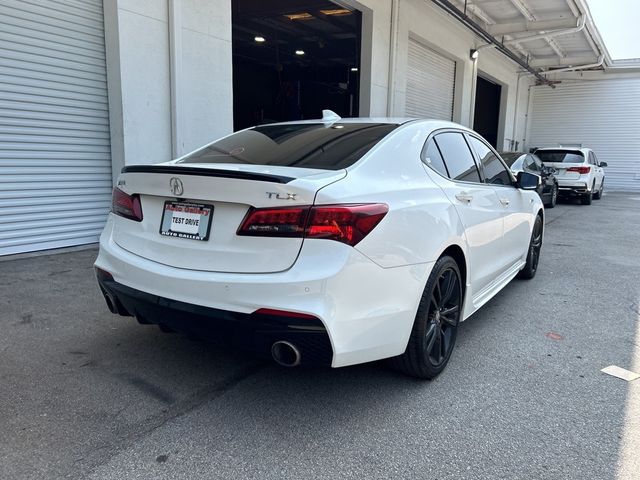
<point>366,311</point>
<point>571,187</point>
<point>256,332</point>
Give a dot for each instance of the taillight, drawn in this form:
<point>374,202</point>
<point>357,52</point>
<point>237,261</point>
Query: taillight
<point>127,206</point>
<point>275,222</point>
<point>343,223</point>
<point>580,170</point>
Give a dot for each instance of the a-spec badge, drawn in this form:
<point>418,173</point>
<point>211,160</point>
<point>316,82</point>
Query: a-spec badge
<point>282,196</point>
<point>176,187</point>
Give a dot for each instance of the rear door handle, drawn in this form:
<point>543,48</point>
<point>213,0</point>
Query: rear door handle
<point>464,197</point>
<point>504,201</point>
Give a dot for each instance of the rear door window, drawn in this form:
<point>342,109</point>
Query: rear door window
<point>537,162</point>
<point>457,157</point>
<point>532,165</point>
<point>433,158</point>
<point>307,145</point>
<point>494,170</point>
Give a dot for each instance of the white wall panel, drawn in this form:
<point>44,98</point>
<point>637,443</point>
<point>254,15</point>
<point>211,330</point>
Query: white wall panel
<point>603,115</point>
<point>55,162</point>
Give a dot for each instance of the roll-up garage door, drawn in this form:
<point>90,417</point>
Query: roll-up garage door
<point>430,83</point>
<point>603,115</point>
<point>55,162</point>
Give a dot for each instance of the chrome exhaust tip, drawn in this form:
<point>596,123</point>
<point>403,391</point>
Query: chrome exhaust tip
<point>114,305</point>
<point>285,354</point>
<point>111,303</point>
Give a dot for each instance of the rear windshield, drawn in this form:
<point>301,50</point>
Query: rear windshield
<point>510,157</point>
<point>310,145</point>
<point>560,156</point>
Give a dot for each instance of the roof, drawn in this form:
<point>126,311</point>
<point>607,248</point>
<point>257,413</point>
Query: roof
<point>550,35</point>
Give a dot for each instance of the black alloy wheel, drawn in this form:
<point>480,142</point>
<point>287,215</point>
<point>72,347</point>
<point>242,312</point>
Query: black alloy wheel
<point>436,325</point>
<point>533,255</point>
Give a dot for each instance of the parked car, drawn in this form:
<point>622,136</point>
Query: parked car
<point>331,242</point>
<point>578,171</point>
<point>528,162</point>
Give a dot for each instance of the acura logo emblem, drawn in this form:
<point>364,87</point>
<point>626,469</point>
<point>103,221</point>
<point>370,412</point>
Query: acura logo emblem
<point>175,184</point>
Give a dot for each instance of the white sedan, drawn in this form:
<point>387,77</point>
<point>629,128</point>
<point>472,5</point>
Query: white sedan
<point>330,242</point>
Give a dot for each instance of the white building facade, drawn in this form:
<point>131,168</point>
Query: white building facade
<point>88,86</point>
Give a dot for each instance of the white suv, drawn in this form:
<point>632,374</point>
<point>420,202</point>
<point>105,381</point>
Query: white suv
<point>578,171</point>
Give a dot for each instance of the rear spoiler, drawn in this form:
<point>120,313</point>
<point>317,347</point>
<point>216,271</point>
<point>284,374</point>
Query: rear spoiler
<point>207,172</point>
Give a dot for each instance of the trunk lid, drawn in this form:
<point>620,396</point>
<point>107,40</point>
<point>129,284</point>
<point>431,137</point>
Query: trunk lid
<point>225,192</point>
<point>562,161</point>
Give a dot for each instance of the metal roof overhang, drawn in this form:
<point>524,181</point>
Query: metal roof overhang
<point>542,36</point>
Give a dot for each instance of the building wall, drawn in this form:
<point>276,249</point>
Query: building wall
<point>393,22</point>
<point>170,71</point>
<point>599,111</point>
<point>162,53</point>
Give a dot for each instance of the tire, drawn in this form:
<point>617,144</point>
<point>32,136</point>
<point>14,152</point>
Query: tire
<point>554,197</point>
<point>436,324</point>
<point>598,194</point>
<point>587,198</point>
<point>533,254</point>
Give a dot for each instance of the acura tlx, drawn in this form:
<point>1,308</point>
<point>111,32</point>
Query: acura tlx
<point>327,242</point>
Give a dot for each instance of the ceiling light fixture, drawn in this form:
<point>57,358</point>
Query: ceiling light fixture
<point>299,52</point>
<point>354,69</point>
<point>299,16</point>
<point>473,54</point>
<point>336,11</point>
<point>259,39</point>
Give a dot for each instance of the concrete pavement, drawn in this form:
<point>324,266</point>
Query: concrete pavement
<point>85,394</point>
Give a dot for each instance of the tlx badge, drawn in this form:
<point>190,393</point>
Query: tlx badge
<point>282,196</point>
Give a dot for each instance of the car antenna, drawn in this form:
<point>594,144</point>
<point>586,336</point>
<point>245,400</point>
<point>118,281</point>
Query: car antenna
<point>329,116</point>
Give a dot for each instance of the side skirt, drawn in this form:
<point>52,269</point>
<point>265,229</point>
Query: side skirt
<point>498,284</point>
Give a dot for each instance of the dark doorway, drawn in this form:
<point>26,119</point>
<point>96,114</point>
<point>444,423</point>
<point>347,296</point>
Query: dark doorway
<point>292,59</point>
<point>487,111</point>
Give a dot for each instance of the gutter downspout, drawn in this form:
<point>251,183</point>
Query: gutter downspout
<point>474,85</point>
<point>175,74</point>
<point>514,141</point>
<point>393,45</point>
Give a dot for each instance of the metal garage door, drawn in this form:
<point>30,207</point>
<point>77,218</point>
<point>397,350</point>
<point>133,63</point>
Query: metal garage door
<point>55,163</point>
<point>430,83</point>
<point>603,115</point>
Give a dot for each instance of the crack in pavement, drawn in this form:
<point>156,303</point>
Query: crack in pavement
<point>149,425</point>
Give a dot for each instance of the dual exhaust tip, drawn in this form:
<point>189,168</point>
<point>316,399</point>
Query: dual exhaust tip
<point>286,354</point>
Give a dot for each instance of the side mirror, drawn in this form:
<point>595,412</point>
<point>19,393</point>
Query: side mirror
<point>603,164</point>
<point>528,181</point>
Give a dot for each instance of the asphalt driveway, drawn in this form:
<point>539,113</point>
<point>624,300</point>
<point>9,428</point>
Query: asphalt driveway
<point>85,394</point>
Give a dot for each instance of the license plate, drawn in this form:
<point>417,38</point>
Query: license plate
<point>186,220</point>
